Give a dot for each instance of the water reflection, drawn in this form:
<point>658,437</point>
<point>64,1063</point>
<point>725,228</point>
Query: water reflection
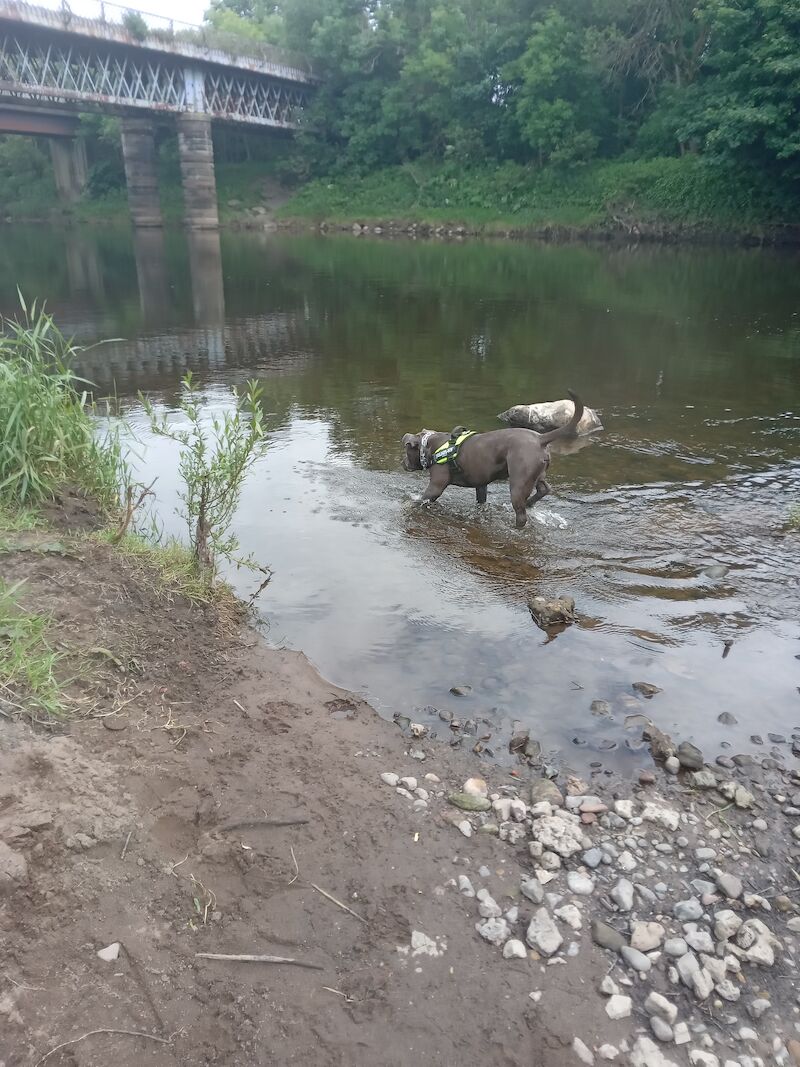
<point>668,528</point>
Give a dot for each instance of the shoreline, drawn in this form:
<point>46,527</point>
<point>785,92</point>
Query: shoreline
<point>211,788</point>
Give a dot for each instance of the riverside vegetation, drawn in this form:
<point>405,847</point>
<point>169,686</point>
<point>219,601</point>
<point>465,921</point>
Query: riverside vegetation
<point>522,113</point>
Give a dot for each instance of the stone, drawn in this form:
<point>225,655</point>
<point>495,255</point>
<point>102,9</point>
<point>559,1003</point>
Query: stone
<point>611,1052</point>
<point>687,968</point>
<point>646,689</point>
<point>551,861</point>
<point>626,862</point>
<point>514,949</point>
<point>557,611</point>
<point>661,1029</point>
<point>570,915</point>
<point>580,884</point>
<point>793,1048</point>
<point>729,884</point>
<point>390,779</point>
<point>624,808</point>
<point>606,936</point>
<point>495,930</point>
<point>680,1034</point>
<point>110,952</point>
<point>727,719</point>
<point>533,890</point>
<point>475,787</point>
<point>688,910</point>
<point>461,690</point>
<point>726,924</point>
<point>619,1007</point>
<point>488,907</point>
<point>512,832</point>
<point>409,783</point>
<point>622,894</point>
<point>543,934</point>
<point>702,983</point>
<point>703,779</point>
<point>645,936</point>
<point>512,915</point>
<point>519,810</point>
<point>635,959</point>
<point>715,967</point>
<point>661,815</point>
<point>672,764</point>
<point>13,868</point>
<point>675,946</point>
<point>420,805</point>
<point>743,798</point>
<point>559,835</point>
<point>756,1008</point>
<point>465,886</point>
<point>546,789</point>
<point>656,1004</point>
<point>689,756</point>
<point>728,990</point>
<point>646,1053</point>
<point>584,1054</point>
<point>699,1058</point>
<point>503,808</point>
<point>592,858</point>
<point>465,826</point>
<point>469,802</point>
<point>700,940</point>
<point>793,924</point>
<point>608,986</point>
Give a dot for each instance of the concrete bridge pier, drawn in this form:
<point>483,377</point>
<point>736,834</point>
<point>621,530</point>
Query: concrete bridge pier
<point>68,156</point>
<point>196,153</point>
<point>141,176</point>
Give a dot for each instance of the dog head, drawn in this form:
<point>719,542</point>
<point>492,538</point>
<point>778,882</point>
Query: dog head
<point>412,449</point>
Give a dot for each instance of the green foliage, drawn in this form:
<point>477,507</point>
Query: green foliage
<point>213,464</point>
<point>26,659</point>
<point>48,436</point>
<point>135,25</point>
<point>27,185</point>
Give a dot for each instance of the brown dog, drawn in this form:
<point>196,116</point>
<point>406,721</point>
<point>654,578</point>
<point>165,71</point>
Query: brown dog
<point>517,455</point>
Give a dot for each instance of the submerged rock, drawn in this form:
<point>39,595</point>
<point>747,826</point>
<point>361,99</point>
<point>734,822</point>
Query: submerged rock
<point>558,611</point>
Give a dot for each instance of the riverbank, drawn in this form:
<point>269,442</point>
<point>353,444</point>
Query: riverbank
<point>682,200</point>
<point>208,794</point>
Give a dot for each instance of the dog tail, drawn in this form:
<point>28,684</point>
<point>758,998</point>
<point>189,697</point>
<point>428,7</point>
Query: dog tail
<point>569,429</point>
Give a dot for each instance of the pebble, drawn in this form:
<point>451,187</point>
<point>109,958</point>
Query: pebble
<point>420,805</point>
<point>622,895</point>
<point>687,968</point>
<point>495,930</point>
<point>635,959</point>
<point>661,1029</point>
<point>551,861</point>
<point>533,890</point>
<point>543,934</point>
<point>390,779</point>
<point>646,1053</point>
<point>514,950</point>
<point>675,946</point>
<point>624,808</point>
<point>476,787</point>
<point>465,886</point>
<point>432,778</point>
<point>488,907</point>
<point>688,910</point>
<point>626,862</point>
<point>704,854</point>
<point>690,756</point>
<point>570,915</point>
<point>699,1058</point>
<point>469,801</point>
<point>606,936</point>
<point>408,783</point>
<point>726,924</point>
<point>757,1007</point>
<point>672,765</point>
<point>645,936</point>
<point>609,1052</point>
<point>580,884</point>
<point>662,816</point>
<point>793,924</point>
<point>608,986</point>
<point>110,952</point>
<point>680,1033</point>
<point>619,1007</point>
<point>656,1004</point>
<point>702,983</point>
<point>729,884</point>
<point>700,940</point>
<point>728,990</point>
<point>465,826</point>
<point>584,1054</point>
<point>592,858</point>
<point>703,780</point>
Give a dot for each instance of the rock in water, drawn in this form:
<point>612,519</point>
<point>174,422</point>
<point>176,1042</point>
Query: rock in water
<point>690,756</point>
<point>646,689</point>
<point>550,415</point>
<point>560,611</point>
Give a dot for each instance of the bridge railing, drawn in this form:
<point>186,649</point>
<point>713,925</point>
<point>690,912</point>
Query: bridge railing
<point>142,27</point>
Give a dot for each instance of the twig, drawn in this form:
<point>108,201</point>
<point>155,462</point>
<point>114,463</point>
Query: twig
<point>250,824</point>
<point>247,958</point>
<point>339,993</point>
<point>338,903</point>
<point>239,706</point>
<point>174,866</point>
<point>125,846</point>
<point>91,1033</point>
<point>296,868</point>
<point>718,811</point>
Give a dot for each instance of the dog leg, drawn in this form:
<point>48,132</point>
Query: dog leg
<point>480,494</point>
<point>542,489</point>
<point>439,481</point>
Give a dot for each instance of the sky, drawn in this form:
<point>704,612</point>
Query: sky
<point>181,10</point>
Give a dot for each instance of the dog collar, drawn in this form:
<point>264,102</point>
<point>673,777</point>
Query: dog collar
<point>425,460</point>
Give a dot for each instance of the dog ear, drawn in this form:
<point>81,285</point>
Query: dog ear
<point>410,440</point>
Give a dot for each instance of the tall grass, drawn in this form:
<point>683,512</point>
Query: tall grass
<point>26,658</point>
<point>48,437</point>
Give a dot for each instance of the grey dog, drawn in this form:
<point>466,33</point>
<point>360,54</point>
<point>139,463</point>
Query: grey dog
<point>517,455</point>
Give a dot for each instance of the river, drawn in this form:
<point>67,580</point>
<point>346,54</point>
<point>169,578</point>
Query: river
<point>669,528</point>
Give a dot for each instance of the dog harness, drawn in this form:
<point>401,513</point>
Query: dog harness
<point>448,453</point>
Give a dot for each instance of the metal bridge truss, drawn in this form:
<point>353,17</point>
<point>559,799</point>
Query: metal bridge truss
<point>91,73</point>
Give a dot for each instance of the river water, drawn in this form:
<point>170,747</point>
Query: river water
<point>669,528</point>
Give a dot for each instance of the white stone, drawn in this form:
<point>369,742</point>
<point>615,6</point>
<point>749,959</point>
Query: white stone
<point>662,816</point>
<point>619,1007</point>
<point>580,884</point>
<point>543,934</point>
<point>514,950</point>
<point>680,1034</point>
<point>583,1053</point>
<point>465,826</point>
<point>559,835</point>
<point>432,778</point>
<point>700,940</point>
<point>495,931</point>
<point>503,808</point>
<point>627,862</point>
<point>488,907</point>
<point>688,967</point>
<point>110,952</point>
<point>570,915</point>
<point>646,1053</point>
<point>699,1058</point>
<point>608,1052</point>
<point>656,1004</point>
<point>624,808</point>
<point>703,983</point>
<point>465,886</point>
<point>409,783</point>
<point>519,810</point>
<point>390,779</point>
<point>675,946</point>
<point>475,787</point>
<point>726,924</point>
<point>661,1029</point>
<point>532,889</point>
<point>609,986</point>
<point>622,894</point>
<point>645,936</point>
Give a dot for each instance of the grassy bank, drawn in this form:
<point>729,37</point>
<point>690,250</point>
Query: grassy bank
<point>651,197</point>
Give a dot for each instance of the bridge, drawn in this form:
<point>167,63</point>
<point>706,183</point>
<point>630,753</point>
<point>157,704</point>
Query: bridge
<point>145,69</point>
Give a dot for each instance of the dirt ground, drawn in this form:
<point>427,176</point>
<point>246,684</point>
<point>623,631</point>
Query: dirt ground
<point>152,819</point>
